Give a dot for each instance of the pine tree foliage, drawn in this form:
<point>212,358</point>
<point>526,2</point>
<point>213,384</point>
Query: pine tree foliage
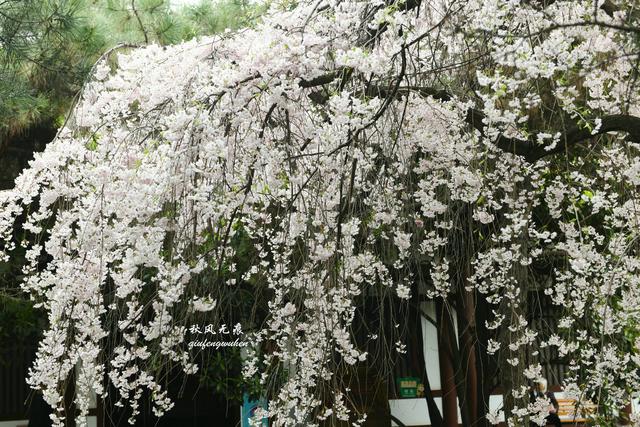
<point>48,47</point>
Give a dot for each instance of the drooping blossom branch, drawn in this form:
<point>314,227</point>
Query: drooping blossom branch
<point>339,153</point>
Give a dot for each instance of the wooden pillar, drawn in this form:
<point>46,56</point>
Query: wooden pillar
<point>447,373</point>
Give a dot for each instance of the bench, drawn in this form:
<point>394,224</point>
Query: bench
<point>568,414</point>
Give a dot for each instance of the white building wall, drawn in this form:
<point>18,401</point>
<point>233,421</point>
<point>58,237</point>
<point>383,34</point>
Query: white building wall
<point>91,422</point>
<point>430,341</point>
<point>414,412</point>
<point>18,423</point>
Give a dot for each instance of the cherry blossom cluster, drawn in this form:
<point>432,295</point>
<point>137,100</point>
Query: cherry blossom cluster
<point>346,141</point>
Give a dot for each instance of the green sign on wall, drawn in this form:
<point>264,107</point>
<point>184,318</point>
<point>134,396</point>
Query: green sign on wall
<point>409,386</point>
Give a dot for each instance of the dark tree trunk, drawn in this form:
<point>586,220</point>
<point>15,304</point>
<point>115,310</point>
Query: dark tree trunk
<point>447,349</point>
<point>485,367</point>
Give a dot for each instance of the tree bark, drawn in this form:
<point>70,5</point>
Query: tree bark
<point>446,351</point>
